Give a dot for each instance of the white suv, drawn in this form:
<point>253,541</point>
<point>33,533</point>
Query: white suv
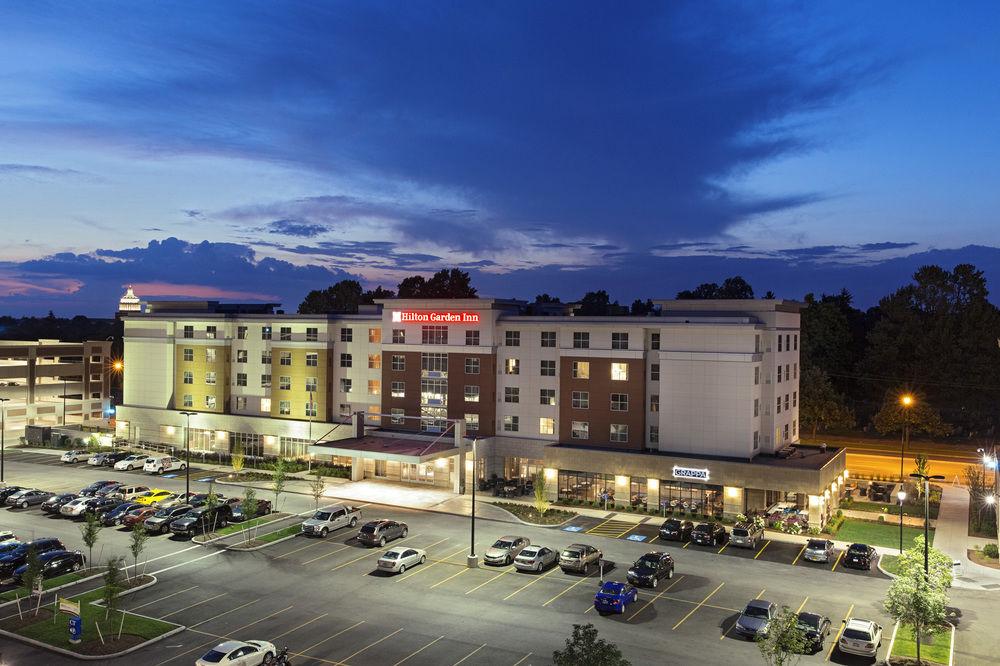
<point>161,464</point>
<point>861,637</point>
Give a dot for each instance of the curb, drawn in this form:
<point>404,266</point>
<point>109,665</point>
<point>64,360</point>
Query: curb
<point>231,534</point>
<point>951,651</point>
<point>524,522</point>
<point>263,545</point>
<point>890,575</point>
<point>420,508</point>
<point>59,587</point>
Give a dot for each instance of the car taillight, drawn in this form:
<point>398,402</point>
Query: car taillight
<point>869,645</point>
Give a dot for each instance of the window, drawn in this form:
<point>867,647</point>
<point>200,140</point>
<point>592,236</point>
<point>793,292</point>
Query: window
<point>265,405</point>
<point>188,355</point>
<point>434,363</point>
<point>345,385</point>
<point>777,409</point>
<point>241,379</point>
<point>619,402</point>
<point>756,375</point>
<point>434,335</point>
<point>796,340</point>
<point>511,394</point>
<point>654,372</point>
<point>396,416</point>
<point>471,365</point>
<point>546,426</point>
<point>375,336</point>
<point>397,389</point>
<point>398,362</point>
<point>312,334</point>
<point>312,360</point>
<point>210,332</point>
<point>472,394</point>
<point>512,366</point>
<point>265,382</point>
<point>654,402</point>
<point>619,432</point>
<point>374,361</point>
<point>795,398</point>
<point>756,406</point>
<point>779,374</point>
<point>265,357</point>
<point>548,338</point>
<point>188,377</point>
<point>311,408</point>
<point>779,343</point>
<point>265,332</point>
<point>756,344</point>
<point>654,434</point>
<point>472,422</point>
<point>188,400</point>
<point>241,403</point>
<point>580,400</point>
<point>580,430</point>
<point>510,423</point>
<point>189,331</point>
<point>654,341</point>
<point>285,333</point>
<point>241,332</point>
<point>756,440</point>
<point>285,407</point>
<point>619,340</point>
<point>286,358</point>
<point>345,360</point>
<point>581,369</point>
<point>786,402</point>
<point>210,378</point>
<point>547,396</point>
<point>795,368</point>
<point>788,374</point>
<point>784,431</point>
<point>374,387</point>
<point>548,369</point>
<point>210,402</point>
<point>398,336</point>
<point>794,428</point>
<point>241,355</point>
<point>619,372</point>
<point>347,335</point>
<point>311,384</point>
<point>284,383</point>
<point>512,338</point>
<point>210,355</point>
<point>788,342</point>
<point>581,340</point>
<point>344,409</point>
<point>472,337</point>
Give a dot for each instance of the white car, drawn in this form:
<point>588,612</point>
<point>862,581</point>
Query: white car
<point>7,535</point>
<point>74,456</point>
<point>75,507</point>
<point>396,560</point>
<point>131,462</point>
<point>861,637</point>
<point>161,464</point>
<point>239,653</point>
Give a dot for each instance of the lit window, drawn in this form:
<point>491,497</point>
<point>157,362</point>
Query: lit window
<point>345,385</point>
<point>241,355</point>
<point>472,422</point>
<point>210,356</point>
<point>374,361</point>
<point>580,430</point>
<point>619,432</point>
<point>619,372</point>
<point>654,402</point>
<point>285,407</point>
<point>396,416</point>
<point>397,389</point>
<point>581,369</point>
<point>546,426</point>
<point>210,378</point>
<point>472,394</point>
<point>512,366</point>
<point>375,336</point>
<point>210,402</point>
<point>374,387</point>
<point>265,332</point>
<point>265,405</point>
<point>241,403</point>
<point>210,332</point>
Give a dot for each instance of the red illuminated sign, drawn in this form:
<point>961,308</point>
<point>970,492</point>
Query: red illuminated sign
<point>411,317</point>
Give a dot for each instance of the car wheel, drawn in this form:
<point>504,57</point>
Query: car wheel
<point>183,467</point>
<point>159,471</point>
<point>403,535</point>
<point>223,522</point>
<point>354,522</point>
<point>322,533</point>
<point>670,574</point>
<point>76,566</point>
<point>24,505</point>
<point>129,467</point>
<point>381,542</point>
<point>268,658</point>
<point>423,558</point>
<point>402,568</point>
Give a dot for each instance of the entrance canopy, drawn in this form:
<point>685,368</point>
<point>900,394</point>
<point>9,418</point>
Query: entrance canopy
<point>407,450</point>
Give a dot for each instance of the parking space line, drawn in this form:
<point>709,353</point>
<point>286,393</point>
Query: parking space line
<point>469,655</point>
<point>702,603</point>
<point>433,564</point>
<point>650,541</point>
<point>840,555</point>
<point>802,605</point>
<point>332,552</point>
<point>723,548</point>
<point>799,555</point>
<point>310,545</point>
<point>487,582</point>
<point>598,526</point>
<point>686,545</point>
<point>374,551</point>
<point>532,582</point>
<point>328,638</point>
<point>454,575</point>
<point>172,594</point>
<point>761,593</point>
<point>628,530</point>
<point>833,643</point>
<point>216,617</point>
<point>766,544</point>
<point>231,633</point>
<point>650,602</point>
<point>583,579</point>
<point>418,651</point>
<point>197,603</point>
<point>187,562</point>
<point>370,645</point>
<point>306,623</point>
<point>522,659</point>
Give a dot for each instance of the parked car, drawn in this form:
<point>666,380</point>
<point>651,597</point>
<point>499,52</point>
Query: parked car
<point>535,558</point>
<point>128,493</point>
<point>91,490</point>
<point>28,497</point>
<point>160,521</point>
<point>378,532</point>
<point>74,456</point>
<point>239,653</point>
<point>673,529</point>
<point>816,628</point>
<point>55,563</point>
<point>106,458</point>
<point>110,490</point>
<point>396,560</point>
<point>19,555</point>
<point>650,568</point>
<point>7,536</point>
<point>114,516</point>
<point>818,550</point>
<point>579,557</point>
<point>709,534</point>
<point>263,509</point>
<point>56,502</point>
<point>7,491</point>
<point>860,556</point>
<point>161,464</point>
<point>614,597</point>
<point>746,535</point>
<point>861,637</point>
<point>75,508</point>
<point>756,618</point>
<point>201,519</point>
<point>154,496</point>
<point>328,519</point>
<point>9,545</point>
<point>505,549</point>
<point>130,462</point>
<point>136,516</point>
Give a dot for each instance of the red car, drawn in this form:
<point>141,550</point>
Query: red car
<point>137,516</point>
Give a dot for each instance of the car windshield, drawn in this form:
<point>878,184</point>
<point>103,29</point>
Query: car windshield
<point>500,543</point>
<point>858,548</point>
<point>612,588</point>
<point>816,544</point>
<point>755,611</point>
<point>571,553</point>
<point>213,656</point>
<point>322,515</point>
<point>648,561</point>
<point>390,556</point>
<point>809,621</point>
<point>857,634</point>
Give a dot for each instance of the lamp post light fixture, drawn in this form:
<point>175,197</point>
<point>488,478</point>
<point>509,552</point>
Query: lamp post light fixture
<point>906,401</point>
<point>187,453</point>
<point>901,496</point>
<point>927,482</point>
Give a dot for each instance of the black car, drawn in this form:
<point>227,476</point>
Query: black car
<point>92,489</point>
<point>114,516</point>
<point>816,628</point>
<point>55,563</point>
<point>8,491</point>
<point>160,521</point>
<point>201,519</point>
<point>263,508</point>
<point>99,505</point>
<point>673,529</point>
<point>709,534</point>
<point>860,556</point>
<point>377,532</point>
<point>18,556</point>
<point>650,568</point>
<point>115,456</point>
<point>54,503</point>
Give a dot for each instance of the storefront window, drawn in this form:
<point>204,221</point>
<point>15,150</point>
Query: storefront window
<point>637,492</point>
<point>586,486</point>
<point>521,468</point>
<point>694,499</point>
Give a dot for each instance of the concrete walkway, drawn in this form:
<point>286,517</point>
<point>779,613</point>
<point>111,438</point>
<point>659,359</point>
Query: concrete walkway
<point>952,538</point>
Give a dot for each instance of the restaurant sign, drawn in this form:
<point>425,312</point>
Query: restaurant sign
<point>411,317</point>
<point>694,473</point>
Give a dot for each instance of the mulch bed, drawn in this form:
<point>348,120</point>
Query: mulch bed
<point>95,647</point>
<point>978,557</point>
<point>15,623</point>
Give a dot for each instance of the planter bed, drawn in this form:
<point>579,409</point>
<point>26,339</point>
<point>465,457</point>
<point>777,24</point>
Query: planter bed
<point>528,514</point>
<point>934,649</point>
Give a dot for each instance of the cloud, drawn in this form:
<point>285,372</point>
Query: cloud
<point>28,170</point>
<point>295,228</point>
<point>878,247</point>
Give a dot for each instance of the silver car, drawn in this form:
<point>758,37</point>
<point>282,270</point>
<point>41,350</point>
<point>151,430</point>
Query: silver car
<point>505,549</point>
<point>818,550</point>
<point>535,558</point>
<point>27,497</point>
<point>398,559</point>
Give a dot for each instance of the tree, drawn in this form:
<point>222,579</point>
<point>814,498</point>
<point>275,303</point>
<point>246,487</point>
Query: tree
<point>821,406</point>
<point>112,586</point>
<point>343,296</point>
<point>32,571</point>
<point>541,501</point>
<point>137,543</point>
<point>316,487</point>
<point>919,601</point>
<point>278,481</point>
<point>920,417</point>
<point>90,531</point>
<point>785,641</point>
<point>453,283</point>
<point>378,293</point>
<point>921,465</point>
<point>641,309</point>
<point>584,648</point>
<point>238,458</point>
<point>250,508</point>
<point>939,564</point>
<point>211,502</point>
<point>732,288</point>
<point>545,298</point>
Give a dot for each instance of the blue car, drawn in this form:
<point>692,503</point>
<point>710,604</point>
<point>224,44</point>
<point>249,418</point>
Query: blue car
<point>614,597</point>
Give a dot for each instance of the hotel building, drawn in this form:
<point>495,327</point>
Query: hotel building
<point>695,406</point>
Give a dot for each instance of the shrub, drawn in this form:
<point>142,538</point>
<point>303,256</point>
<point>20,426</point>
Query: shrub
<point>991,550</point>
<point>813,531</point>
<point>840,514</point>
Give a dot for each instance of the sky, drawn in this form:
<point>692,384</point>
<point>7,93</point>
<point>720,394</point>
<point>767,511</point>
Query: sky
<point>258,150</point>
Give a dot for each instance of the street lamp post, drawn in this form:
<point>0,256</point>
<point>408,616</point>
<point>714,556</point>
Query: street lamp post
<point>990,462</point>
<point>927,479</point>
<point>187,453</point>
<point>3,432</point>
<point>901,495</point>
<point>473,561</point>
<point>906,401</point>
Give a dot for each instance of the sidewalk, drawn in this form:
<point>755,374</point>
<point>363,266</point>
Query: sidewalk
<point>952,538</point>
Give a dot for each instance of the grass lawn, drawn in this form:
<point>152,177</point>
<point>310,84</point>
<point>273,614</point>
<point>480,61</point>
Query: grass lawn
<point>528,514</point>
<point>280,534</point>
<point>890,563</point>
<point>878,534</point>
<point>233,528</point>
<point>893,510</point>
<point>48,584</point>
<point>935,648</point>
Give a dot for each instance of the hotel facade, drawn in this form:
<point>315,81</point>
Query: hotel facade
<point>693,408</point>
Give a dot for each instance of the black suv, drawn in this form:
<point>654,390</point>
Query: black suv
<point>860,556</point>
<point>202,519</point>
<point>114,516</point>
<point>709,534</point>
<point>674,529</point>
<point>18,556</point>
<point>650,568</point>
<point>377,532</point>
<point>99,505</point>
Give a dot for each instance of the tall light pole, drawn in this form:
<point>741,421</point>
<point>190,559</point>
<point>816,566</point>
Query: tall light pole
<point>473,560</point>
<point>901,496</point>
<point>64,400</point>
<point>927,479</point>
<point>905,401</point>
<point>187,452</point>
<point>3,432</point>
<point>990,462</point>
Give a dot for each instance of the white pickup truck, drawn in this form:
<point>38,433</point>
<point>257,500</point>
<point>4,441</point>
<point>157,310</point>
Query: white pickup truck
<point>331,518</point>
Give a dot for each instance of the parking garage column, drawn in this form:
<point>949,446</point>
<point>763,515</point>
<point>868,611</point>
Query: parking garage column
<point>458,479</point>
<point>732,502</point>
<point>357,468</point>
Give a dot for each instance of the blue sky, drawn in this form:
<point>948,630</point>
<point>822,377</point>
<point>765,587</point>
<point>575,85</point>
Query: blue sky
<point>259,150</point>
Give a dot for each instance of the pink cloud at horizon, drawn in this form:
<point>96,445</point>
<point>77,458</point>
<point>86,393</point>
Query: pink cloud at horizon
<point>12,286</point>
<point>146,289</point>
